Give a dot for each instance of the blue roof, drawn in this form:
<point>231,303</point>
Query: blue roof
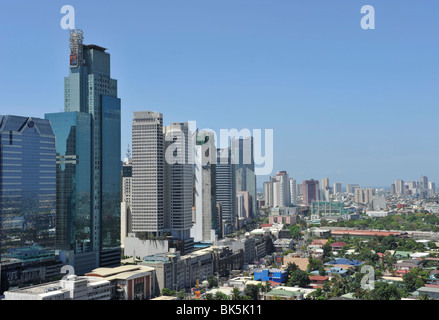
<point>345,261</point>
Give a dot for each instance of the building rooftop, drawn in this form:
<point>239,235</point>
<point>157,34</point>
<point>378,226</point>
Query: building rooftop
<point>118,272</point>
<point>95,47</point>
<point>281,292</point>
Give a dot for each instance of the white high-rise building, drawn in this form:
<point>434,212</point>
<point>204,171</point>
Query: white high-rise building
<point>268,193</point>
<point>148,173</point>
<point>206,223</point>
<point>280,192</point>
<point>399,187</point>
<point>293,191</point>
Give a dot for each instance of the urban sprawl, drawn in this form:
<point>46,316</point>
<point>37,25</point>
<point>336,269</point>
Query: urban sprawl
<point>181,219</point>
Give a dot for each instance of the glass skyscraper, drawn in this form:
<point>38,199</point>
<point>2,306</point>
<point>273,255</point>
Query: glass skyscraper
<point>73,171</point>
<point>90,127</point>
<point>27,188</point>
<point>243,158</point>
<point>226,189</point>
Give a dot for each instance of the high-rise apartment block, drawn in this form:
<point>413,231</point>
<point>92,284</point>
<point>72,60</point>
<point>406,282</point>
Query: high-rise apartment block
<point>293,191</point>
<point>311,191</point>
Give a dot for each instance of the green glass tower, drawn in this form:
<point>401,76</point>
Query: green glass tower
<point>88,160</point>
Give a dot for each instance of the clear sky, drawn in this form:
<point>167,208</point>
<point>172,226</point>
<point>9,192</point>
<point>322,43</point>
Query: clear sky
<point>356,106</point>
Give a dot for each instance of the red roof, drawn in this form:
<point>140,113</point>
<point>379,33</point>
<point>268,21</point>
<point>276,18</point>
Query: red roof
<point>338,244</point>
<point>319,241</point>
<point>432,285</point>
<point>266,225</point>
<point>364,233</point>
<point>274,284</point>
<point>318,278</point>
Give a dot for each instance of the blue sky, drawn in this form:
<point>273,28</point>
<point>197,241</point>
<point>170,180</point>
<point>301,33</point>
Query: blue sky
<point>357,106</point>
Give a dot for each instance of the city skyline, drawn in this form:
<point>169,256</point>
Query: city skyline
<point>255,67</point>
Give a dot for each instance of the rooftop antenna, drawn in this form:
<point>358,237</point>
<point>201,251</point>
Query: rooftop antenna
<point>128,152</point>
<point>76,47</point>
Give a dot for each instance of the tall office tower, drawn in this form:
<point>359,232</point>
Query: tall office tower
<point>399,187</point>
<point>424,182</point>
<point>337,187</point>
<point>392,189</point>
<point>432,186</point>
<point>243,157</point>
<point>74,219</point>
<point>27,188</point>
<point>293,191</point>
<point>325,184</point>
<point>207,223</point>
<point>226,188</point>
<point>89,89</point>
<point>178,177</point>
<point>311,191</point>
<point>412,185</point>
<point>268,193</point>
<point>299,189</point>
<point>244,203</point>
<point>350,188</point>
<point>148,211</point>
<point>125,206</point>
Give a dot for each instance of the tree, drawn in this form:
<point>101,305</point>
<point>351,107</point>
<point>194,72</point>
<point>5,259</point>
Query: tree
<point>252,291</point>
<point>295,231</point>
<point>292,267</point>
<point>168,292</point>
<point>314,264</point>
<point>432,245</point>
<point>180,294</point>
<point>385,291</point>
<point>209,296</point>
<point>221,296</point>
<point>327,250</point>
<point>236,294</point>
<point>414,280</point>
<point>213,281</point>
<point>298,278</point>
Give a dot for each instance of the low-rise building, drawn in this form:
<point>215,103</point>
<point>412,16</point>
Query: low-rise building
<point>281,294</point>
<point>318,281</point>
<point>301,262</point>
<point>71,288</point>
<point>283,244</point>
<point>337,246</point>
<point>432,292</point>
<point>131,282</point>
<point>275,275</point>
